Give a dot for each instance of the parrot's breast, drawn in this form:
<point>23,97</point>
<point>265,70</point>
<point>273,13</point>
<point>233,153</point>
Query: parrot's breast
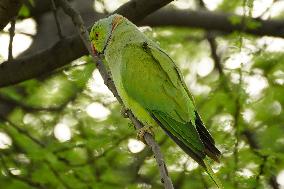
<point>115,61</point>
<point>139,112</point>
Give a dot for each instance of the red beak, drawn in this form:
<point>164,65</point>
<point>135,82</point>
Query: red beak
<point>94,50</point>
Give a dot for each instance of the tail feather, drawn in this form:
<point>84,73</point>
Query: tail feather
<point>206,138</point>
<point>199,156</point>
<point>202,129</point>
<point>212,174</point>
<point>185,148</point>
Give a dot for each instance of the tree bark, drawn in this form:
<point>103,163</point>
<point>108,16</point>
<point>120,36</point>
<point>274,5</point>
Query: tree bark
<point>66,50</point>
<point>209,20</point>
<point>8,10</point>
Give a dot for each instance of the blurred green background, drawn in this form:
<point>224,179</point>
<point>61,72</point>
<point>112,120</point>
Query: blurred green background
<point>65,130</point>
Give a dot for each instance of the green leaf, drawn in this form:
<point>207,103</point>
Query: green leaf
<point>24,11</point>
<point>235,20</point>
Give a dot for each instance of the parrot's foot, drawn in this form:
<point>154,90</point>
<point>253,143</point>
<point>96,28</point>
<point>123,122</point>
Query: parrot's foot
<point>123,112</point>
<point>143,131</point>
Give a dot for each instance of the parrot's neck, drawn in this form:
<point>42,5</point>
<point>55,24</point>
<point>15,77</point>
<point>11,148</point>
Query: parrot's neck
<point>124,34</point>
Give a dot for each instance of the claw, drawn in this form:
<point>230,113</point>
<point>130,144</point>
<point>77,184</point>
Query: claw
<point>123,112</point>
<point>141,132</point>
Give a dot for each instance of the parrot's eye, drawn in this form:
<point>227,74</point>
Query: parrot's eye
<point>97,35</point>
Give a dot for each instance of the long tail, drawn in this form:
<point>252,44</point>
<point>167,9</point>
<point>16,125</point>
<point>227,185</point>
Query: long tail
<point>210,149</point>
<point>207,140</point>
<point>212,175</point>
<point>200,157</point>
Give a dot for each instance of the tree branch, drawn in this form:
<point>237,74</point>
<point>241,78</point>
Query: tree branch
<point>8,10</point>
<point>22,131</point>
<point>26,180</point>
<point>11,34</point>
<point>210,36</point>
<point>54,11</point>
<point>30,108</point>
<point>66,50</point>
<point>78,22</point>
<point>43,38</point>
<point>63,52</point>
<point>165,179</point>
<point>255,147</point>
<point>210,20</point>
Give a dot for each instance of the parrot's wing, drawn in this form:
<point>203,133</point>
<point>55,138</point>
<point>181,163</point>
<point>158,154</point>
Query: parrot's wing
<point>150,77</point>
<point>153,81</point>
<point>204,134</point>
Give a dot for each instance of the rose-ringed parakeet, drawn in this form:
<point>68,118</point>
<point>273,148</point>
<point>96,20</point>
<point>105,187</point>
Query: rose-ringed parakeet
<point>152,87</point>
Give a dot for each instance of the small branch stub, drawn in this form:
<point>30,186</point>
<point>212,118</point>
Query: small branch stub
<point>11,34</point>
<point>54,10</point>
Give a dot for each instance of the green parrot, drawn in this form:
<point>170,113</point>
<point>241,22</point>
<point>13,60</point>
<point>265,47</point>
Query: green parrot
<point>152,87</point>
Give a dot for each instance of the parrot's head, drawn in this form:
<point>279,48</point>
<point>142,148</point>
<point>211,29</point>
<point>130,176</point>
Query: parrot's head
<point>102,30</point>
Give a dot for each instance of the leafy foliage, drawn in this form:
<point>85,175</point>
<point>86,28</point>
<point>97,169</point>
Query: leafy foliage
<point>242,107</point>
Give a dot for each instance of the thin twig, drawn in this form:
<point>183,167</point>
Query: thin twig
<point>213,47</point>
<point>261,172</point>
<point>79,24</point>
<point>105,11</point>
<point>254,145</point>
<point>26,180</point>
<point>54,11</point>
<point>210,36</point>
<point>179,182</point>
<point>22,131</point>
<point>58,175</point>
<point>267,10</point>
<point>165,179</point>
<point>12,34</point>
<point>237,118</point>
<point>30,108</point>
<point>19,32</point>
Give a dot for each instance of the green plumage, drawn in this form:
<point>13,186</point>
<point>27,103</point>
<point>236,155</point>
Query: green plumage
<point>150,84</point>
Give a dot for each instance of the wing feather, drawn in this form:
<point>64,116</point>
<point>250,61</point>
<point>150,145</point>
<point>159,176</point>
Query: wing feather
<point>153,81</point>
